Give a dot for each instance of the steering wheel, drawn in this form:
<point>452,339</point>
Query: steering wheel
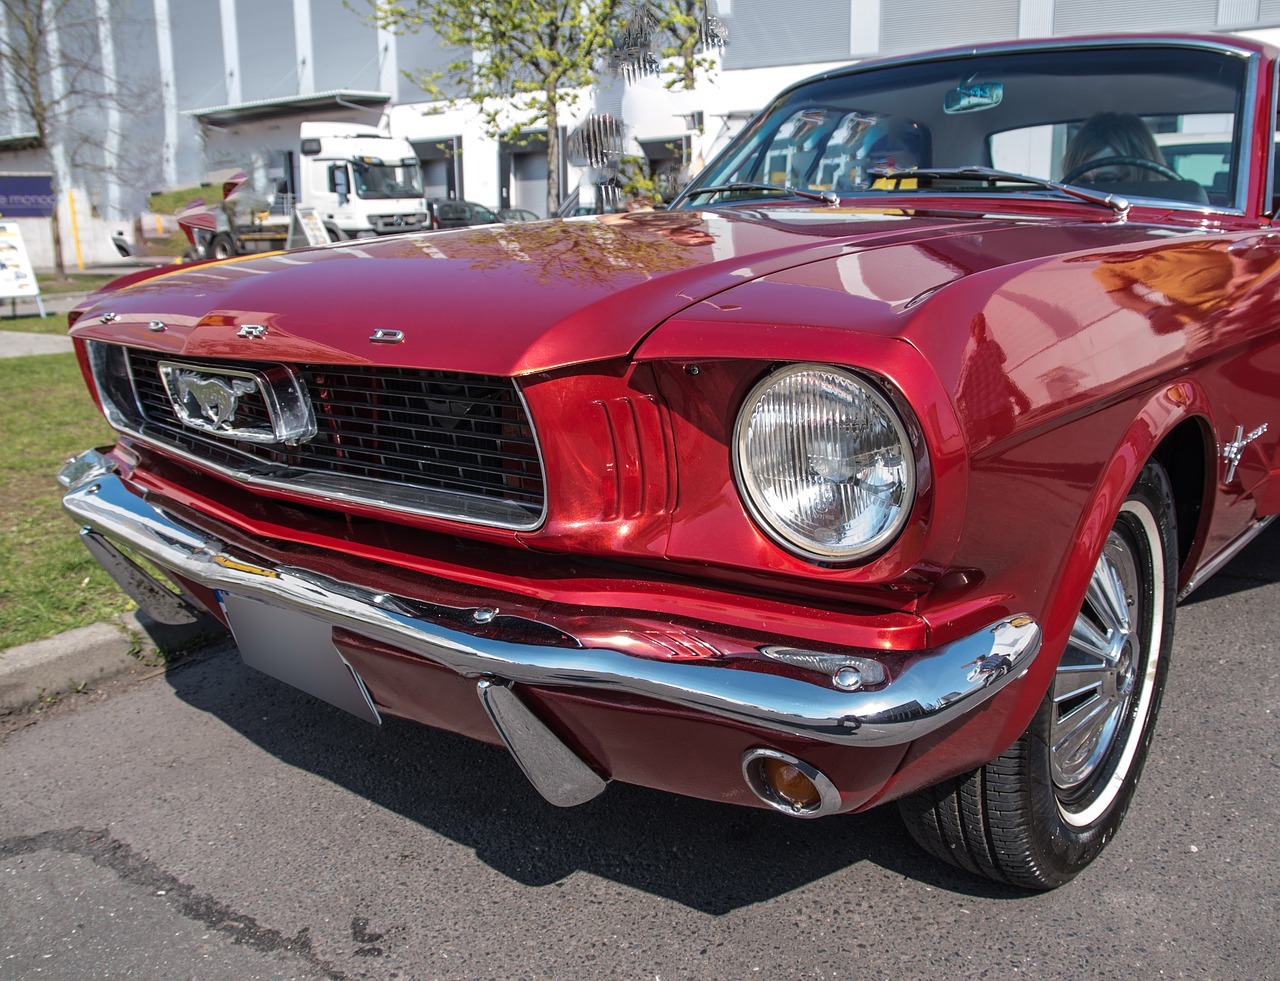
<point>1168,173</point>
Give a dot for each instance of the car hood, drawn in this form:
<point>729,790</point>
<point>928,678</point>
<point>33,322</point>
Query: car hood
<point>513,299</point>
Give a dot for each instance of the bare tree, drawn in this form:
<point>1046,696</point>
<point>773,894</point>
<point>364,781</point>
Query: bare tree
<point>62,83</point>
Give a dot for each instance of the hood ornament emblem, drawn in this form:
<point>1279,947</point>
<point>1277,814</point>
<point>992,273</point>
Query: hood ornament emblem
<point>215,399</point>
<point>253,331</point>
<point>261,405</point>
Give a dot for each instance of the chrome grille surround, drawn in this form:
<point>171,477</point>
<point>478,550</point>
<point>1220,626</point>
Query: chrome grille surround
<point>440,444</point>
<point>258,406</point>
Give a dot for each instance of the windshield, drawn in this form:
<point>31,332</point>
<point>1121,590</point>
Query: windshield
<point>1094,117</point>
<point>376,178</point>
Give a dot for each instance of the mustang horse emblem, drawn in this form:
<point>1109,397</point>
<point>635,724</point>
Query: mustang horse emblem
<point>216,398</point>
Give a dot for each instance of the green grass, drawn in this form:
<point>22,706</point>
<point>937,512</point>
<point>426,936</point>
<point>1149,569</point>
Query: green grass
<point>55,323</point>
<point>171,202</point>
<point>74,283</point>
<point>174,246</point>
<point>50,583</point>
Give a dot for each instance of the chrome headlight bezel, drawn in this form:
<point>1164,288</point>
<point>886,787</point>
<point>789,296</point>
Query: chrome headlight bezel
<point>876,398</point>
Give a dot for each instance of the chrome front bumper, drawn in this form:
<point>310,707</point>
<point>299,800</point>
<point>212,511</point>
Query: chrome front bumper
<point>933,688</point>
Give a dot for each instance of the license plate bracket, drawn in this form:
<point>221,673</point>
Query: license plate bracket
<point>297,649</point>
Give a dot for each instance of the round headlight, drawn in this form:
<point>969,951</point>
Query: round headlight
<point>824,462</point>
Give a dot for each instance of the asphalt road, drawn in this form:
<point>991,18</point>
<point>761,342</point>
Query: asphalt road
<point>212,823</point>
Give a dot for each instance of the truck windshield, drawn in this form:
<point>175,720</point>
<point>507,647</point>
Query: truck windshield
<point>385,179</point>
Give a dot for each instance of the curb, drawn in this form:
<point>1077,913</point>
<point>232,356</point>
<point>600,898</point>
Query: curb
<point>43,671</point>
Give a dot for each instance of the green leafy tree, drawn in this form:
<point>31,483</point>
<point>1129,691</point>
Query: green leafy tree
<point>668,37</point>
<point>682,21</point>
<point>521,63</point>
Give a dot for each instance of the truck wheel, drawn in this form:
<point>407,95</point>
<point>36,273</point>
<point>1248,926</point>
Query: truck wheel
<point>221,247</point>
<point>1038,814</point>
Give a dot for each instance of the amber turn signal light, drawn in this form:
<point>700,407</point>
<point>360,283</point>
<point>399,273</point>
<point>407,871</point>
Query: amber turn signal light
<point>788,784</point>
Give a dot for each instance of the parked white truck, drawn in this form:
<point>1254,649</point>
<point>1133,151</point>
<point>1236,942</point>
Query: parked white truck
<point>359,181</point>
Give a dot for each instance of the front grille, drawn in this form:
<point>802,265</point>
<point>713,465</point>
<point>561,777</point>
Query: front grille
<point>435,442</point>
<point>397,223</point>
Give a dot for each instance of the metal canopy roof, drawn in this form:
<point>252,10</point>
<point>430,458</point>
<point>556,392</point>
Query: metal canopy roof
<point>289,105</point>
<point>21,141</point>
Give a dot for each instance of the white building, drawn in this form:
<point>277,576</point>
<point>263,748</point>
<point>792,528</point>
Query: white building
<point>209,86</point>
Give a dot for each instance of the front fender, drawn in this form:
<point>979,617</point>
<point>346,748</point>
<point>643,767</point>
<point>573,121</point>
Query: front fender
<point>706,360</point>
<point>1163,411</point>
<point>985,735</point>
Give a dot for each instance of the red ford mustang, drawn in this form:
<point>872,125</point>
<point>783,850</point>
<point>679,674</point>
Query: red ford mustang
<point>869,470</point>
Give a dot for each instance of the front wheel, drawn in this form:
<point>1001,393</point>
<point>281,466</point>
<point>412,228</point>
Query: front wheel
<point>1039,813</point>
<point>221,247</point>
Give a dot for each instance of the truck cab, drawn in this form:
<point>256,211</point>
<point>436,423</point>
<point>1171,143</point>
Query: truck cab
<point>361,181</point>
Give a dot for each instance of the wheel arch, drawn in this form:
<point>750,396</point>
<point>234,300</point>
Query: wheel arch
<point>1172,428</point>
<point>1045,807</point>
<point>1187,453</point>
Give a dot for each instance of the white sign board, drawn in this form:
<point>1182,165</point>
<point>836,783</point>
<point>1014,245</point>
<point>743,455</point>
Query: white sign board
<point>16,277</point>
<point>312,228</point>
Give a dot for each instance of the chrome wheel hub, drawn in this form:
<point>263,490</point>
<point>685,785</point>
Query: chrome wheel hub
<point>1095,683</point>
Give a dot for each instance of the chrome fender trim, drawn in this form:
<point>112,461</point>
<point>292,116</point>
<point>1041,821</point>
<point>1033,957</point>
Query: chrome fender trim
<point>935,688</point>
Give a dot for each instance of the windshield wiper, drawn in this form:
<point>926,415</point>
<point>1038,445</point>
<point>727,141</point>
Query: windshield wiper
<point>827,197</point>
<point>989,175</point>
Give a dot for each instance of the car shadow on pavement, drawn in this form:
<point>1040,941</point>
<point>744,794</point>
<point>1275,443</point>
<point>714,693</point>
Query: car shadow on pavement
<point>711,857</point>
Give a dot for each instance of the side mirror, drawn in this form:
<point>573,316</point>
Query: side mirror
<point>340,182</point>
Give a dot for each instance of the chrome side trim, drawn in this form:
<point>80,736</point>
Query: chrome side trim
<point>1229,552</point>
<point>933,687</point>
<point>1244,139</point>
<point>555,771</point>
<point>1269,188</point>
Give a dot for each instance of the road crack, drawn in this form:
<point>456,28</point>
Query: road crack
<point>107,852</point>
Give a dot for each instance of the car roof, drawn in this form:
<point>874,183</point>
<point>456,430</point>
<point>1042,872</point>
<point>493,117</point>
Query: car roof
<point>1220,42</point>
